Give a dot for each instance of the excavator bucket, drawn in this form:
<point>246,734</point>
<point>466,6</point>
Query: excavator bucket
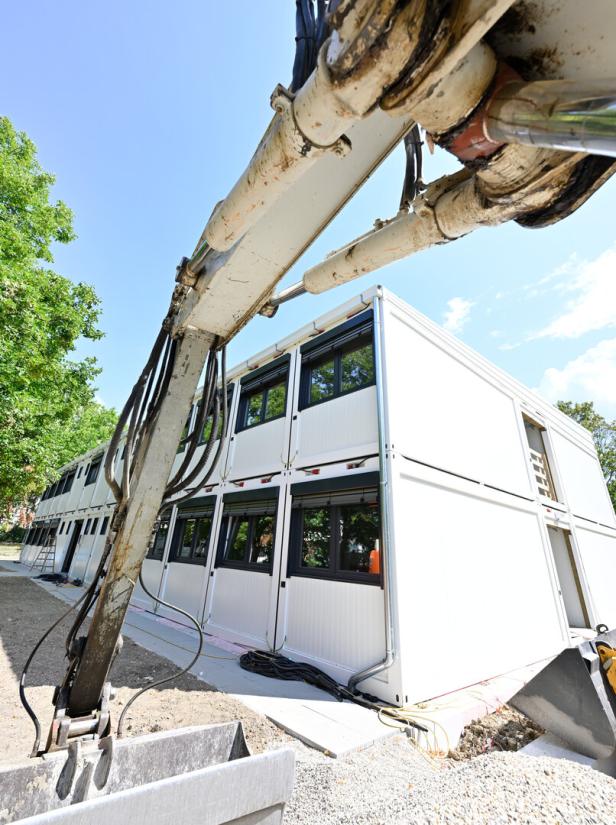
<point>573,699</point>
<point>194,776</point>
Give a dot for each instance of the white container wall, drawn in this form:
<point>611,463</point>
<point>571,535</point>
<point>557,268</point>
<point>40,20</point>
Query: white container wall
<point>502,535</point>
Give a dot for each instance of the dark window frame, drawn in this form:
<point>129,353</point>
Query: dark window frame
<point>104,525</point>
<point>261,381</point>
<point>86,529</point>
<point>94,525</point>
<point>251,498</point>
<point>68,482</point>
<point>158,555</point>
<point>311,495</point>
<point>93,470</point>
<point>354,334</point>
<point>178,534</point>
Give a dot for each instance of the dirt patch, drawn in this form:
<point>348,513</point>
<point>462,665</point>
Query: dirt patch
<point>504,730</point>
<point>9,552</point>
<point>26,611</point>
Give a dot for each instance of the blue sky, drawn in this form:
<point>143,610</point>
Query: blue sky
<point>148,112</point>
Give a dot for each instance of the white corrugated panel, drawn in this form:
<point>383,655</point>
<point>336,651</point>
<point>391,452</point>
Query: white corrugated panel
<point>344,427</point>
<point>259,450</point>
<point>240,604</point>
<point>184,587</point>
<point>338,623</point>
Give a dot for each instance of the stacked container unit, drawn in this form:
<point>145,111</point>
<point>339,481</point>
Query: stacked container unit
<point>388,506</point>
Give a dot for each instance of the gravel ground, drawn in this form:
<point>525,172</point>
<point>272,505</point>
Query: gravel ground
<point>391,784</point>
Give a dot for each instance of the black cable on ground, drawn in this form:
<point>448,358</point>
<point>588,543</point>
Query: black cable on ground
<point>275,666</point>
<point>173,675</point>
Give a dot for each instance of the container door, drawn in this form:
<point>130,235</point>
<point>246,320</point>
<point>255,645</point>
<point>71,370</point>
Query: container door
<point>185,575</point>
<point>331,610</point>
<point>244,588</point>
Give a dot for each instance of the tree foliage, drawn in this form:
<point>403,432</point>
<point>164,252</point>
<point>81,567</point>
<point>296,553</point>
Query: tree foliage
<point>603,433</point>
<point>47,409</point>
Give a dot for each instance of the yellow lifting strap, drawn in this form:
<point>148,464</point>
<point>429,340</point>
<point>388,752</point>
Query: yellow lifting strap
<point>607,655</point>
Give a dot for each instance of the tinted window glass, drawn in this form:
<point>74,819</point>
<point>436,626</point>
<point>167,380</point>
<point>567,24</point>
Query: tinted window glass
<point>94,526</point>
<point>238,539</point>
<point>322,381</point>
<point>262,548</point>
<point>201,538</point>
<point>316,538</point>
<point>358,527</point>
<point>253,409</point>
<point>188,533</point>
<point>357,368</point>
<point>93,471</point>
<point>274,404</point>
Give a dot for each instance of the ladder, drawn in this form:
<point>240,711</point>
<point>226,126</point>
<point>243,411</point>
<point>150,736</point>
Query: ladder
<point>46,555</point>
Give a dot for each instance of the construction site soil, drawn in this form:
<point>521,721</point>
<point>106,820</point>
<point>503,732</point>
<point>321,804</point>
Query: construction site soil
<point>504,730</point>
<point>26,611</point>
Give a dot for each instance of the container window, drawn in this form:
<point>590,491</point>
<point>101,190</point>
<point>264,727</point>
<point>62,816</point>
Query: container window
<point>94,525</point>
<point>104,524</point>
<point>339,362</point>
<point>93,471</point>
<point>247,536</point>
<point>336,536</point>
<point>191,538</point>
<point>263,395</point>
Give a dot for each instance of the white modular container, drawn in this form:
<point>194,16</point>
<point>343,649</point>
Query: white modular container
<point>388,506</point>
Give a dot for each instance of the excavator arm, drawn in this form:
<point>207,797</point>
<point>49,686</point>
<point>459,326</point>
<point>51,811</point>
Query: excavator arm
<point>495,82</point>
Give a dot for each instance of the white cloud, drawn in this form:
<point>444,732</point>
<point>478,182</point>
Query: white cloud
<point>589,377</point>
<point>458,314</point>
<point>593,302</point>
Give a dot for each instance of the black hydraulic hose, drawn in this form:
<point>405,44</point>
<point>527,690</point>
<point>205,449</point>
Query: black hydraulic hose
<point>173,675</point>
<point>192,442</point>
<point>22,681</point>
<point>412,174</point>
<point>189,493</point>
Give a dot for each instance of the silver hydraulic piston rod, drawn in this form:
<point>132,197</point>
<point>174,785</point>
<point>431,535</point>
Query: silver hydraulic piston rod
<point>578,116</point>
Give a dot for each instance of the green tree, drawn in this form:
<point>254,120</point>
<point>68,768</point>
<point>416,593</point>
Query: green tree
<point>603,433</point>
<point>47,408</point>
